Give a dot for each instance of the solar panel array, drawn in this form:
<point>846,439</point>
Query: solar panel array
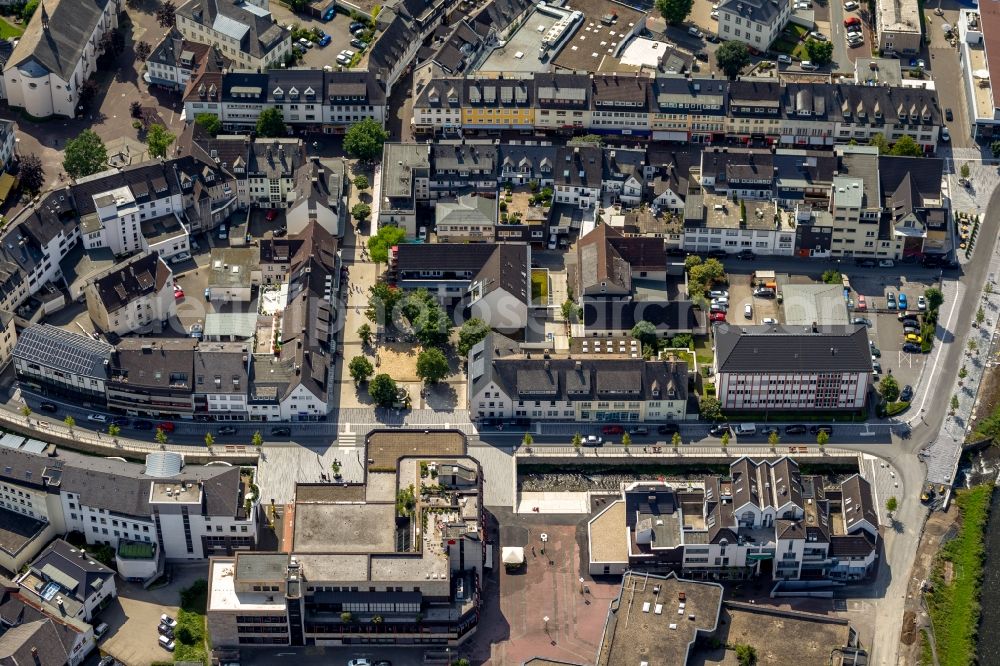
<point>52,347</point>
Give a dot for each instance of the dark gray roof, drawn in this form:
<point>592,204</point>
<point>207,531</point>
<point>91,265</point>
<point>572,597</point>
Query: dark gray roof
<point>578,166</point>
<point>448,257</point>
<point>792,349</point>
<point>256,32</point>
<point>622,315</point>
<point>39,642</point>
<point>72,564</point>
<point>59,48</point>
<point>508,269</point>
<point>220,367</point>
<point>760,11</point>
<point>17,530</point>
<point>50,346</point>
<point>857,503</point>
<point>154,363</point>
<point>139,276</point>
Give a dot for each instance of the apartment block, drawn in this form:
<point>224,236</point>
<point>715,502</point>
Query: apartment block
<point>132,296</point>
<point>244,32</point>
<point>756,23</point>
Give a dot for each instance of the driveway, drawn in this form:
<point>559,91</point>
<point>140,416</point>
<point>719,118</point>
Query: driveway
<point>134,616</point>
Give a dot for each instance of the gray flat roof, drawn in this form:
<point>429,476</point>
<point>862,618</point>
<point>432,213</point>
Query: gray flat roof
<point>360,528</point>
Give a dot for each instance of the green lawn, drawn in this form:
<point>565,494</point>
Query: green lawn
<point>190,635</point>
<point>783,46</point>
<point>796,31</point>
<point>801,52</point>
<point>8,30</point>
<point>954,606</point>
<point>539,287</point>
<point>703,350</point>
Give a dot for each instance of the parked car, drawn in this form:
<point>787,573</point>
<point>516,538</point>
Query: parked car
<point>694,32</point>
<point>902,301</point>
<point>120,421</point>
<point>945,135</point>
<point>914,337</point>
<point>208,294</point>
<point>324,40</point>
<point>851,20</point>
<point>764,292</point>
<point>305,43</point>
<point>912,348</point>
<point>748,311</point>
<point>795,429</point>
<point>769,321</point>
<point>281,431</point>
<point>890,301</point>
<point>876,367</point>
<point>717,315</point>
<point>593,440</point>
<point>866,263</point>
<point>166,643</point>
<point>720,301</point>
<point>107,660</point>
<point>745,254</point>
<point>719,307</point>
<point>910,329</point>
<point>850,6</point>
<point>808,66</point>
<point>48,407</point>
<point>178,258</point>
<point>167,620</point>
<point>714,15</point>
<point>358,44</point>
<point>718,293</point>
<point>863,321</point>
<point>165,630</point>
<point>355,25</point>
<point>178,294</point>
<point>165,426</point>
<point>271,215</point>
<point>227,430</point>
<point>816,429</point>
<point>100,629</point>
<point>718,430</point>
<point>948,115</point>
<point>97,418</point>
<point>876,352</point>
<point>818,36</point>
<point>667,428</point>
<point>359,662</point>
<point>639,431</point>
<point>862,303</point>
<point>886,263</point>
<point>142,424</point>
<point>612,430</point>
<point>785,59</point>
<point>329,14</point>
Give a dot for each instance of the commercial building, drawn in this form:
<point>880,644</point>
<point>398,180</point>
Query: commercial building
<point>607,385</point>
<point>175,59</point>
<point>234,273</point>
<point>792,367</point>
<point>469,219</point>
<point>245,32</point>
<point>979,54</point>
<point>189,512</point>
<point>132,295</point>
<point>54,361</point>
<point>756,23</point>
<point>221,380</point>
<point>765,519</point>
<point>897,24</point>
<point>379,578</point>
<point>57,53</point>
<point>153,377</point>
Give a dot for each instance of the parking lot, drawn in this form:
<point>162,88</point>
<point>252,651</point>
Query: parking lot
<point>133,617</point>
<point>338,28</point>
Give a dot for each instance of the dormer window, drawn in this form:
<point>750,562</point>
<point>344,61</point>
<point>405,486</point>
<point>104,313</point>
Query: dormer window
<point>293,93</point>
<point>278,93</point>
<point>310,92</point>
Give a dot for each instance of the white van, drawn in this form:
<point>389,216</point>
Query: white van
<point>745,429</point>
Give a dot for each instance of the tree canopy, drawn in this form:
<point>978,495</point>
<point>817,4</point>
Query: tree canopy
<point>158,140</point>
<point>732,57</point>
<point>382,301</point>
<point>85,154</point>
<point>364,140</point>
<point>382,390</point>
<point>360,368</point>
<point>674,11</point>
<point>271,123</point>
<point>907,147</point>
<point>644,332</point>
<point>889,388</point>
<point>820,53</point>
<point>30,173</point>
<point>472,333</point>
<point>209,122</point>
<point>432,365</point>
<point>380,243</point>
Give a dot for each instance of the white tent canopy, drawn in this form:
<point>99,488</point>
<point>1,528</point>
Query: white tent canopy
<point>512,555</point>
<point>981,73</point>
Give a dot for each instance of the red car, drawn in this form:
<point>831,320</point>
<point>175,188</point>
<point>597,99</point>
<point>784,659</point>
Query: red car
<point>717,316</point>
<point>853,20</point>
<point>178,293</point>
<point>612,430</point>
<point>271,216</point>
<point>166,426</point>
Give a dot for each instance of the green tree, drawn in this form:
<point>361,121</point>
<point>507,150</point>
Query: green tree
<point>822,437</point>
<point>995,149</point>
<point>732,57</point>
<point>25,411</point>
<point>691,261</point>
<point>432,365</point>
<point>972,346</point>
<point>675,441</point>
<point>907,147</point>
<point>70,422</point>
<point>934,298</point>
<point>980,316</point>
<point>954,403</point>
<point>361,182</point>
<point>626,440</point>
<point>346,617</point>
<point>365,334</point>
<point>361,369</point>
<point>364,140</point>
<point>361,212</point>
<point>820,53</point>
<point>773,438</point>
<point>382,390</point>
<point>30,173</point>
<point>527,440</point>
<point>831,277</point>
<point>209,440</point>
<point>471,334</point>
<point>889,388</point>
<point>644,332</point>
<point>431,326</point>
<point>257,440</point>
<point>142,50</point>
<point>165,14</point>
<point>382,302</point>
<point>158,140</point>
<point>965,171</point>
<point>963,373</point>
<point>710,409</point>
<point>384,239</point>
<point>114,430</point>
<point>160,436</point>
<point>746,655</point>
<point>674,11</point>
<point>271,124</point>
<point>85,154</point>
<point>891,504</point>
<point>880,142</point>
<point>209,122</point>
<point>743,210</point>
<point>577,441</point>
<point>569,310</point>
<point>29,10</point>
<point>725,438</point>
